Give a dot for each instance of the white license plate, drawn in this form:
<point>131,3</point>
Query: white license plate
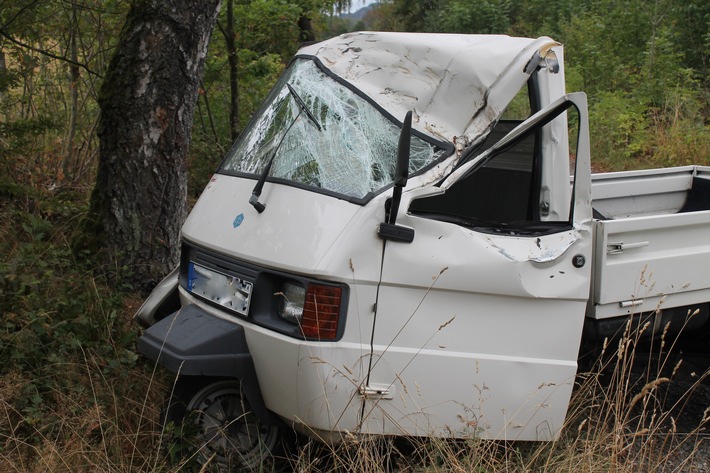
<point>231,292</point>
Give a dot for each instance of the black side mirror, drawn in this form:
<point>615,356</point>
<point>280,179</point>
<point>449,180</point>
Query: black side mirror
<point>389,230</point>
<point>401,172</point>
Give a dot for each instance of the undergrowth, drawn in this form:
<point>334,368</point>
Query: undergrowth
<point>72,390</point>
<point>627,134</point>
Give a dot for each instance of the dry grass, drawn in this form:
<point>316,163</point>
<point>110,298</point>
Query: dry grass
<point>109,424</point>
<point>621,419</point>
<point>618,422</point>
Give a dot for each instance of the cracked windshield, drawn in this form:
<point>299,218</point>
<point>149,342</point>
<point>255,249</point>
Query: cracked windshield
<point>316,132</point>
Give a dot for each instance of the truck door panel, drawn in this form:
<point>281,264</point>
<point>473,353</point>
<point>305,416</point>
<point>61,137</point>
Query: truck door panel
<point>479,318</point>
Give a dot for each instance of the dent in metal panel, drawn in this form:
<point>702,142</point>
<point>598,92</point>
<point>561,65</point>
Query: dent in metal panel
<point>539,249</point>
<point>457,85</point>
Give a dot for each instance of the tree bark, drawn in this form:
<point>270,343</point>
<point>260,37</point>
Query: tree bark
<point>230,40</point>
<point>307,33</point>
<point>147,102</point>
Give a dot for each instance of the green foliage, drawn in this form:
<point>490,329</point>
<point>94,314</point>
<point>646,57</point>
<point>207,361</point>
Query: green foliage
<point>679,132</point>
<point>646,107</point>
<point>617,124</point>
<point>266,37</point>
<point>662,70</point>
<point>533,18</point>
<point>20,134</point>
<point>470,16</point>
<point>627,134</point>
<point>691,22</point>
<point>8,78</point>
<point>643,65</point>
<point>382,17</point>
<point>211,135</point>
<point>47,107</point>
<point>55,312</point>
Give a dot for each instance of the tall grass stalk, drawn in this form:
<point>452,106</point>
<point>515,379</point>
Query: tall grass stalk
<point>620,420</point>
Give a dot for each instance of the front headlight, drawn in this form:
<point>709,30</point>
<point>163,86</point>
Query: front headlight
<point>293,296</point>
<point>315,308</point>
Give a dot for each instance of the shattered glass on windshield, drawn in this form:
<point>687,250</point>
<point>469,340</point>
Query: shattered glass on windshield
<point>335,140</point>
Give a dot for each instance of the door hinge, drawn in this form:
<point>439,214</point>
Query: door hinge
<point>376,392</point>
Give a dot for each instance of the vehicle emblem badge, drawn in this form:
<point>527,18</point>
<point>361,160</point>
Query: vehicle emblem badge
<point>238,220</point>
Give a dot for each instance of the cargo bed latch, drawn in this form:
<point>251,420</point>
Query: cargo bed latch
<point>618,247</point>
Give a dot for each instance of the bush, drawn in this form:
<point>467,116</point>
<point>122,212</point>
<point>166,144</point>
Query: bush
<point>618,130</point>
<point>72,392</point>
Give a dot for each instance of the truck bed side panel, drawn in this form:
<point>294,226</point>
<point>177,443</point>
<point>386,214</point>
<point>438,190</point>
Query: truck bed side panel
<point>639,260</point>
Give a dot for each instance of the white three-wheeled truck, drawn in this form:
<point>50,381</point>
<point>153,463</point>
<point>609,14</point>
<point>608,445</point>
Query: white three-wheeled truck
<point>354,267</point>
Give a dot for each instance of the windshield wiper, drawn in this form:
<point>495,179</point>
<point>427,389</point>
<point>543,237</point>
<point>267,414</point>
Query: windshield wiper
<point>256,193</point>
<point>303,106</point>
<point>254,199</point>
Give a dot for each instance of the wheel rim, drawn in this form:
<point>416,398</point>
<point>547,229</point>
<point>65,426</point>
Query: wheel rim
<point>230,434</point>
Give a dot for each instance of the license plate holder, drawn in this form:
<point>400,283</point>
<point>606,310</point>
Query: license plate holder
<point>229,291</point>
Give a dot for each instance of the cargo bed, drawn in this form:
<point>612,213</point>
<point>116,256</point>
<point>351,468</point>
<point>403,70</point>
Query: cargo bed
<point>652,240</point>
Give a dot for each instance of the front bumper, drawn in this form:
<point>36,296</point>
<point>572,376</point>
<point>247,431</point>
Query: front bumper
<point>191,342</point>
<point>194,343</point>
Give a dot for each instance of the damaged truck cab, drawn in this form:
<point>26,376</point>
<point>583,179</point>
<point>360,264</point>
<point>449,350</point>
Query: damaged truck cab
<point>329,284</point>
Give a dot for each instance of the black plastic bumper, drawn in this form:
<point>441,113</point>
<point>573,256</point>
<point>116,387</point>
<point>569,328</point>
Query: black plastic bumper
<point>192,342</point>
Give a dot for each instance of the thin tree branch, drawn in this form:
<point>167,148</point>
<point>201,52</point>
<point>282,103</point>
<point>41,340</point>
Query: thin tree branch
<point>47,53</point>
<point>221,29</point>
<point>17,15</point>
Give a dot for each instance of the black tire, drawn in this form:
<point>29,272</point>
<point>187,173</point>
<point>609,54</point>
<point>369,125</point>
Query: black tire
<point>217,424</point>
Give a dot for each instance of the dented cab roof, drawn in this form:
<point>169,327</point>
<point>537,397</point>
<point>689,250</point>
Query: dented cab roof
<point>456,85</point>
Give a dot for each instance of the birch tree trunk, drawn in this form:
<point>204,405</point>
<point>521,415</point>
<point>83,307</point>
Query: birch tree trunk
<point>147,102</point>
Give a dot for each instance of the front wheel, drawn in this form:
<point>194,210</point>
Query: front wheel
<point>222,426</point>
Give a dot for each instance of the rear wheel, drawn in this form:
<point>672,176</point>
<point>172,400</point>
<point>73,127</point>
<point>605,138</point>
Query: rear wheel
<point>219,424</point>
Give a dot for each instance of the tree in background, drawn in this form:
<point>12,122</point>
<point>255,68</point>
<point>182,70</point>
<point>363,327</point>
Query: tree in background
<point>643,64</point>
<point>464,16</point>
<point>147,101</point>
<point>648,106</point>
<point>53,55</point>
<point>257,39</point>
